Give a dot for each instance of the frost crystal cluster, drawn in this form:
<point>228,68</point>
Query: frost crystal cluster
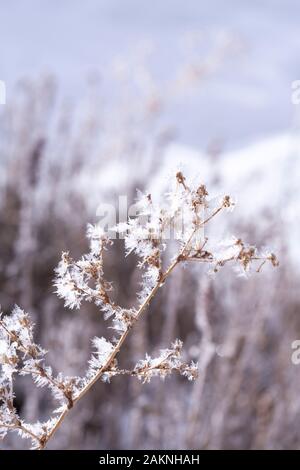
<point>162,237</point>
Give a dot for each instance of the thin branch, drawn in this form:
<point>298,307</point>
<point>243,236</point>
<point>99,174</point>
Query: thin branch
<point>188,252</point>
<point>181,257</point>
<point>114,352</point>
<point>15,427</point>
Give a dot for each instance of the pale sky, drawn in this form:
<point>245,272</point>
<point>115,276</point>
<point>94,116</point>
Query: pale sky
<point>247,99</point>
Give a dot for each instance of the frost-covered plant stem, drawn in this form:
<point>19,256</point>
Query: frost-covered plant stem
<point>123,337</point>
<point>83,280</point>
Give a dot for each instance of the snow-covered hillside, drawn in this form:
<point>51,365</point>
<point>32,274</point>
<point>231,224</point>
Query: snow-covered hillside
<point>263,177</point>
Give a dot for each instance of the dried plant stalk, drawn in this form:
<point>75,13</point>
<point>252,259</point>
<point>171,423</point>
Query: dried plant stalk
<point>83,280</point>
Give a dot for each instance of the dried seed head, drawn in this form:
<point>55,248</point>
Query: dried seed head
<point>202,191</point>
<point>181,179</point>
<point>273,258</point>
<point>227,202</point>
